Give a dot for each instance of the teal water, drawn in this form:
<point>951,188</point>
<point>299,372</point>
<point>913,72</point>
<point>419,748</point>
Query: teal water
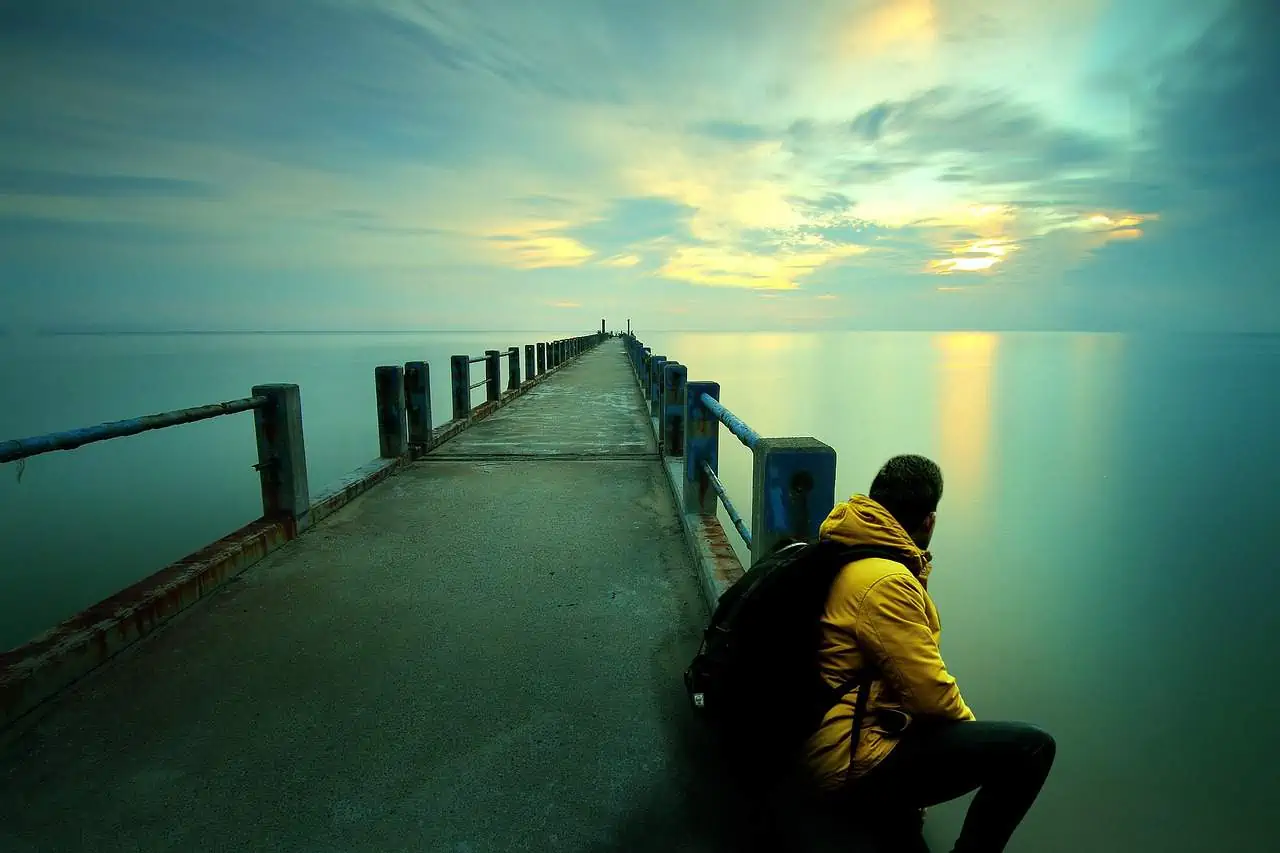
<point>1101,562</point>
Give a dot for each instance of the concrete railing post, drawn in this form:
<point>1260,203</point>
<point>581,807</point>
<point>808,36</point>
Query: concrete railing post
<point>460,379</point>
<point>530,363</point>
<point>701,445</point>
<point>542,358</point>
<point>513,369</point>
<point>393,435</point>
<point>793,490</point>
<point>655,385</point>
<point>671,426</point>
<point>492,375</point>
<point>643,373</point>
<point>282,455</point>
<point>417,402</point>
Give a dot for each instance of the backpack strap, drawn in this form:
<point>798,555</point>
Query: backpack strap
<point>863,683</point>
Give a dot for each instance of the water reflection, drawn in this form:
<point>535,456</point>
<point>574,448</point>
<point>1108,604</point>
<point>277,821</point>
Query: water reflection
<point>965,387</point>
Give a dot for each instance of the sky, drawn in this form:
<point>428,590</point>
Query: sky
<point>688,164</point>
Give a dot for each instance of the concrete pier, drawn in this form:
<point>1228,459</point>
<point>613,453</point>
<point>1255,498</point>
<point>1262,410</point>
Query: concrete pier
<point>483,653</point>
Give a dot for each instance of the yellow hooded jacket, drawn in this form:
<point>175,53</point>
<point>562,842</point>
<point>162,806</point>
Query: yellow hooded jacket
<point>878,612</point>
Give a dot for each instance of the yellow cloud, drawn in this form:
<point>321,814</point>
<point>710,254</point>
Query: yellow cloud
<point>725,266</point>
<point>974,256</point>
<point>565,304</point>
<point>827,296</point>
<point>542,251</point>
<point>893,24</point>
<point>620,261</point>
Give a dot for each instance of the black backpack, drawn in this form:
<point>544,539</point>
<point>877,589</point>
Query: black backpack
<point>755,676</point>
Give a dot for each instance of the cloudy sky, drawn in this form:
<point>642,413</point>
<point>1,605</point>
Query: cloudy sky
<point>375,164</point>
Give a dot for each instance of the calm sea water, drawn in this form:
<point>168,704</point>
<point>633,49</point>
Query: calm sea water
<point>1101,562</point>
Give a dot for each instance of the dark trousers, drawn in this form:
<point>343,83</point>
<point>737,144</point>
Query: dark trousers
<point>1006,763</point>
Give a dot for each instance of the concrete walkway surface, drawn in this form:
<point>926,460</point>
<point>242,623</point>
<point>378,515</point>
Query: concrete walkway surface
<point>483,653</point>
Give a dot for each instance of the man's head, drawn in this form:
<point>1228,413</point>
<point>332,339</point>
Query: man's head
<point>909,487</point>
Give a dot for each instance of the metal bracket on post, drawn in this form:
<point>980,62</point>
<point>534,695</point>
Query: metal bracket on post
<point>793,491</point>
<point>282,455</point>
<point>460,378</point>
<point>701,446</point>
<point>393,436</point>
<point>671,426</point>
<point>417,402</point>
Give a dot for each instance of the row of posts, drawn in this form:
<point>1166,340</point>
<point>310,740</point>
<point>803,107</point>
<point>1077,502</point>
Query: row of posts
<point>404,393</point>
<point>793,479</point>
<point>404,416</point>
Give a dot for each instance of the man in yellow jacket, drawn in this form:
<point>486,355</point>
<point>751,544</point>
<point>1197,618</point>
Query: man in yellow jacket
<point>919,743</point>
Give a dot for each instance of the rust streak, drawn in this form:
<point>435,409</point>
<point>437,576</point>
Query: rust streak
<point>36,670</point>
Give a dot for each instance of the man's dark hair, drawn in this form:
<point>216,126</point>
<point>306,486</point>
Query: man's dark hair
<point>909,487</point>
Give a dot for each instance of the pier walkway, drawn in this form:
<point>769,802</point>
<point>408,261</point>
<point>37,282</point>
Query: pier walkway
<point>481,652</point>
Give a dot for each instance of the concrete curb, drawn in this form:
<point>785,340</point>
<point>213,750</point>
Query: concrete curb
<point>38,670</point>
<point>718,564</point>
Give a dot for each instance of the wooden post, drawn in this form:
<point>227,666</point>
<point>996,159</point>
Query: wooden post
<point>393,436</point>
<point>282,455</point>
<point>793,491</point>
<point>671,427</point>
<point>602,327</point>
<point>460,378</point>
<point>513,369</point>
<point>492,375</point>
<point>542,358</point>
<point>530,363</point>
<point>417,402</point>
<point>702,444</point>
<point>655,384</point>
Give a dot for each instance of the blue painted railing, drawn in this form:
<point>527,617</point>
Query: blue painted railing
<point>793,479</point>
<point>404,418</point>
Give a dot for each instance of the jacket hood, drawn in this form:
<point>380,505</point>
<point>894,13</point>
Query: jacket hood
<point>862,521</point>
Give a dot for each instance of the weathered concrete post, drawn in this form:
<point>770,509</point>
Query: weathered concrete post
<point>417,402</point>
<point>513,369</point>
<point>542,358</point>
<point>460,379</point>
<point>530,363</point>
<point>671,426</point>
<point>393,436</point>
<point>645,355</point>
<point>492,375</point>
<point>602,333</point>
<point>793,490</point>
<point>655,384</point>
<point>282,455</point>
<point>628,325</point>
<point>701,445</point>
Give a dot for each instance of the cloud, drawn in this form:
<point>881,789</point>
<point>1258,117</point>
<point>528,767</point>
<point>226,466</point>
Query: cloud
<point>852,147</point>
<point>630,223</point>
<point>37,182</point>
<point>985,136</point>
<point>732,131</point>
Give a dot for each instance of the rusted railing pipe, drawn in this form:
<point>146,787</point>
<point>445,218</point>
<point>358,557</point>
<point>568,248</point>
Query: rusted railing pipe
<point>22,448</point>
